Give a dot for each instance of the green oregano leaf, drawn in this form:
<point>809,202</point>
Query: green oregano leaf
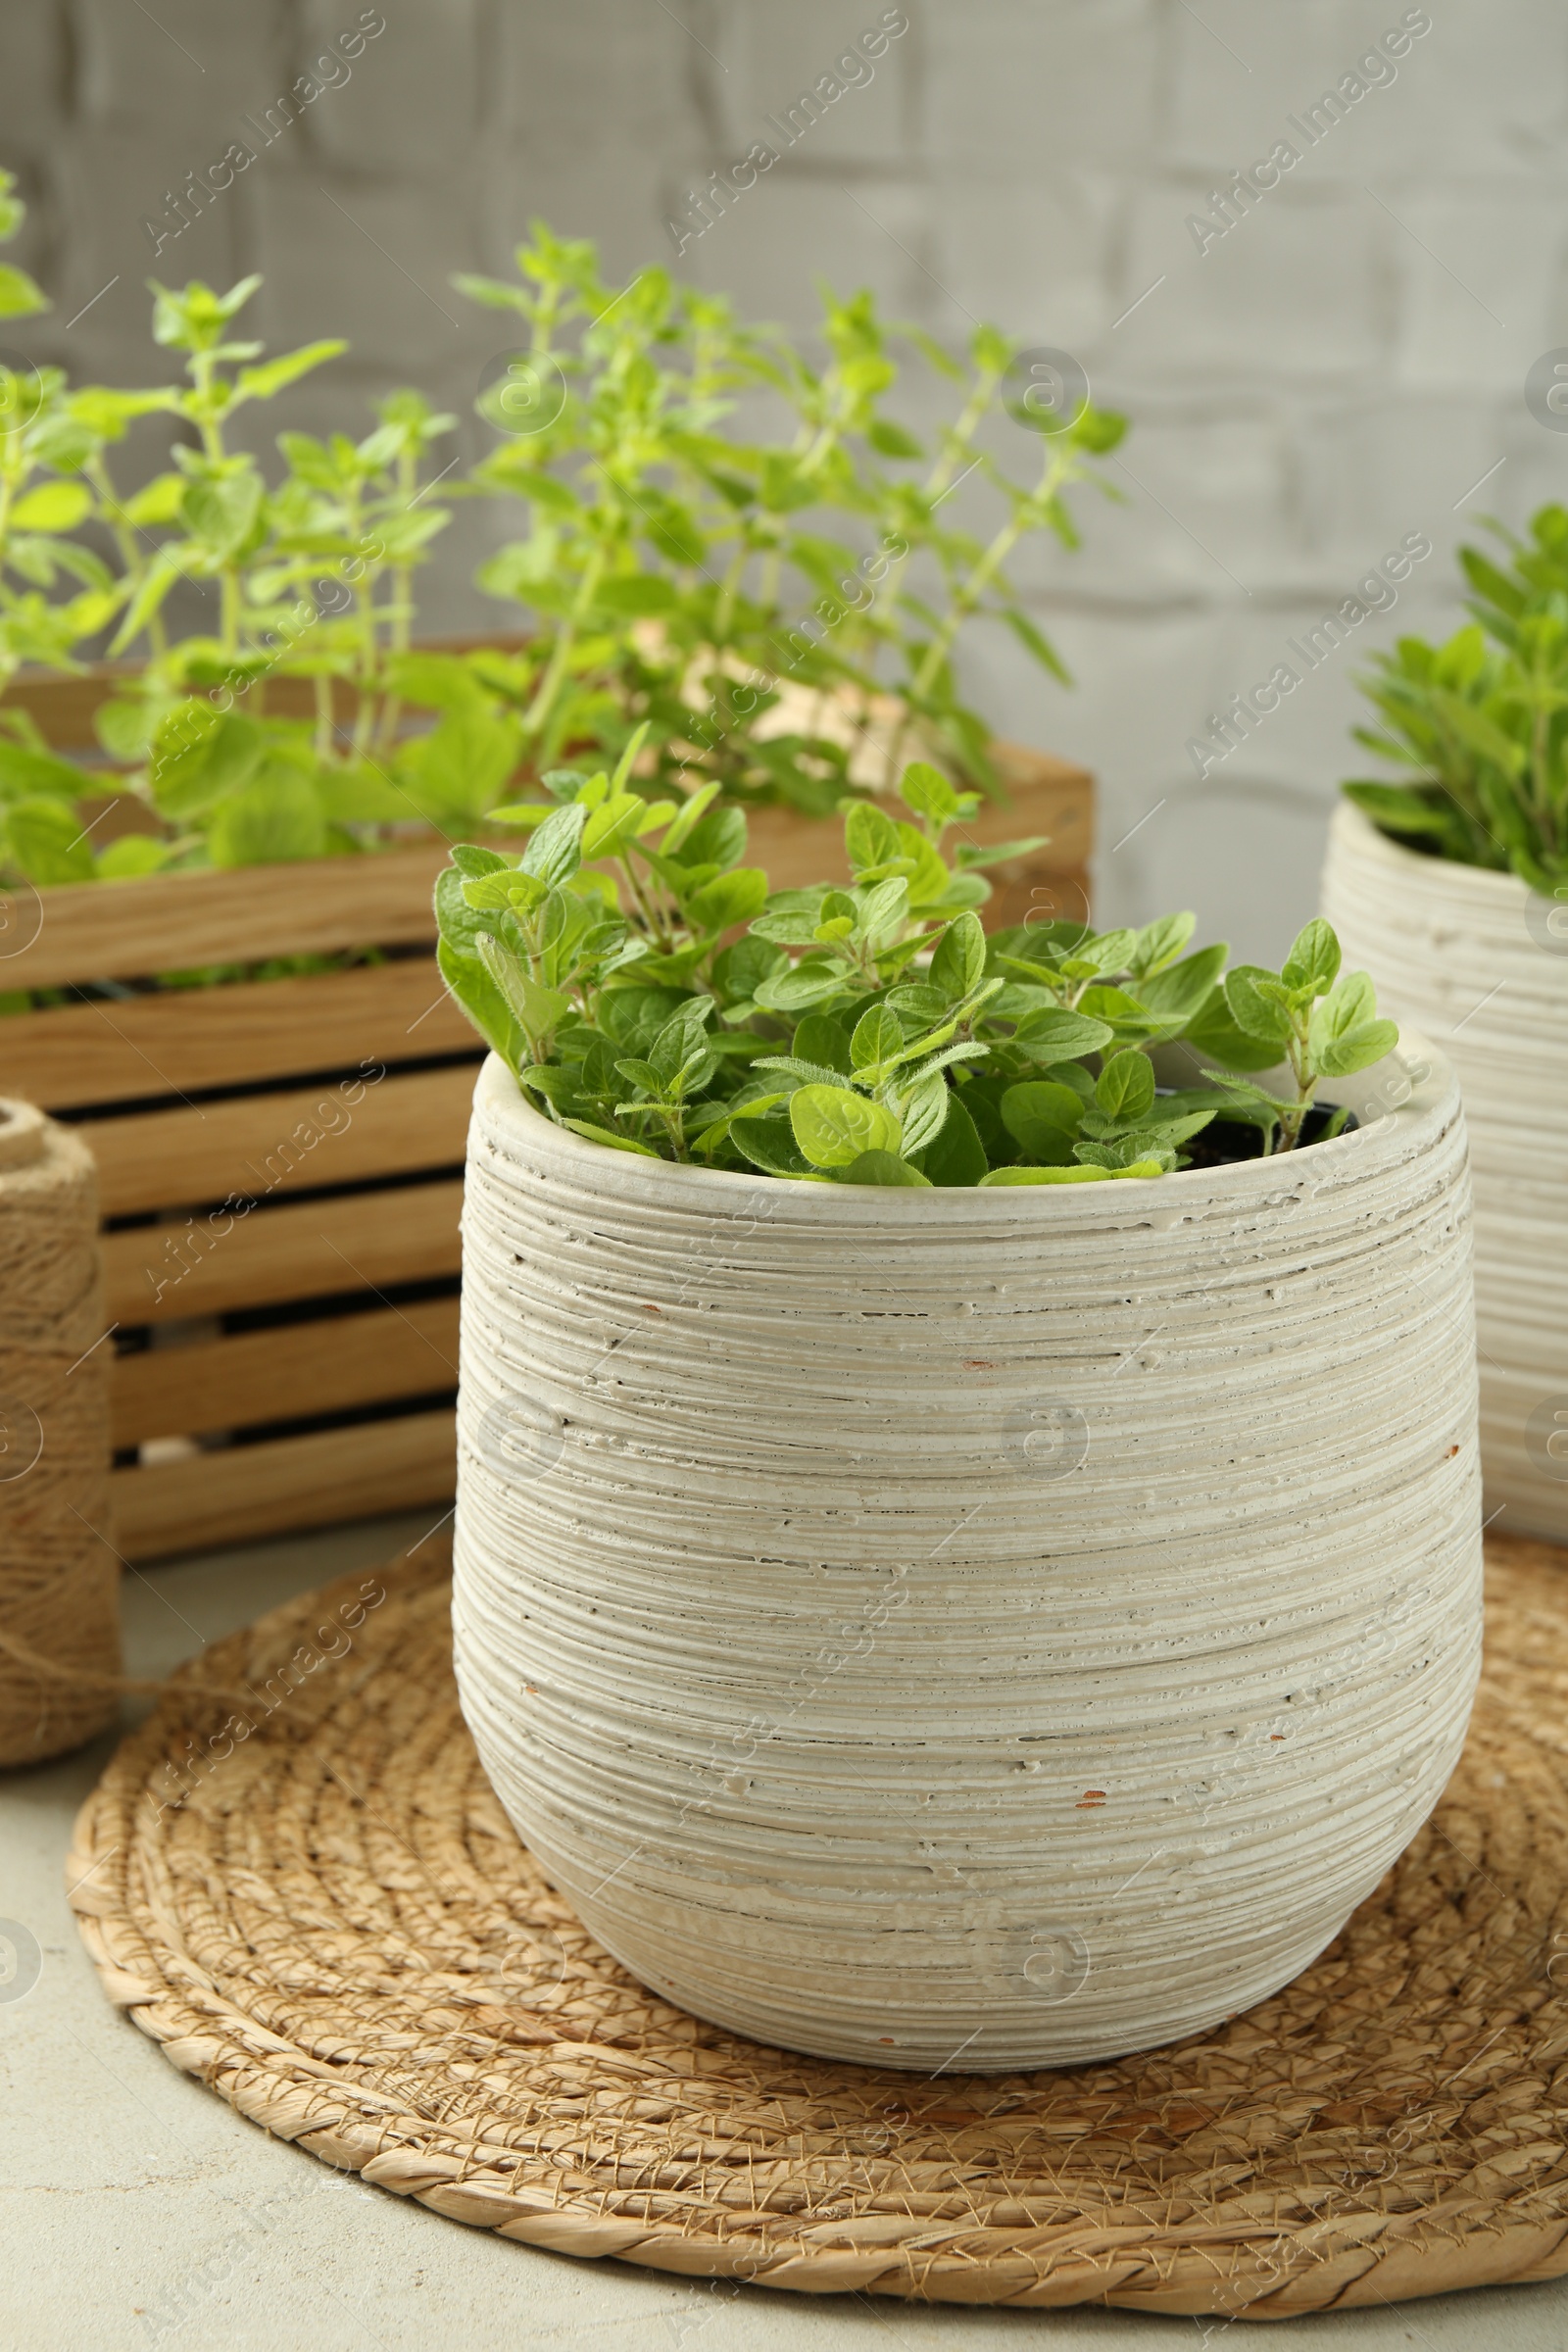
<point>833,1126</point>
<point>884,1168</point>
<point>1125,1087</point>
<point>1256,1015</point>
<point>1313,961</point>
<point>878,1037</point>
<point>958,965</point>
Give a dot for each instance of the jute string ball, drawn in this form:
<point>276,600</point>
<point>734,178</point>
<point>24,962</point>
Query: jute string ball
<point>59,1593</point>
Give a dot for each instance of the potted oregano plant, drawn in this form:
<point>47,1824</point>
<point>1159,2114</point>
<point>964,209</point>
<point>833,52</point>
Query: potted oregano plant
<point>1450,884</point>
<point>1011,1626</point>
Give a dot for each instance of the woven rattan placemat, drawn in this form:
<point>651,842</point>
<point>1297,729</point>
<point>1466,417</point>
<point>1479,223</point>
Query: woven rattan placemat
<point>337,1930</point>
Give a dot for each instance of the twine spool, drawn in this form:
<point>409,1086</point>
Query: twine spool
<point>59,1593</point>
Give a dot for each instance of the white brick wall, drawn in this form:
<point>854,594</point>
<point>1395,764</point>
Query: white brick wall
<point>415,91</point>
<point>1339,369</point>
<point>768,56</point>
<point>199,64</point>
<point>1011,85</point>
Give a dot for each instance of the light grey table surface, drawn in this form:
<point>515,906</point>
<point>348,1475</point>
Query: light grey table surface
<point>139,2210</point>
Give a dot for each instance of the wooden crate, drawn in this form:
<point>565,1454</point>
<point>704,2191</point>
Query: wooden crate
<point>281,1165</point>
<point>289,1359</point>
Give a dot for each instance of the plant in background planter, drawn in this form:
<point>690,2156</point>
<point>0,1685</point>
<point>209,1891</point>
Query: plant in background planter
<point>782,614</point>
<point>1452,887</point>
<point>1021,1623</point>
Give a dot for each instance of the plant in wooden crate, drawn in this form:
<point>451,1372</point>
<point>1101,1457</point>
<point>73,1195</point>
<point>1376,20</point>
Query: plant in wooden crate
<point>40,450</point>
<point>313,582</point>
<point>675,577</point>
<point>275,1154</point>
<point>782,612</point>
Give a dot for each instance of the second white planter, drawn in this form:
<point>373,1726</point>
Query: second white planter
<point>968,1629</point>
<point>1480,965</point>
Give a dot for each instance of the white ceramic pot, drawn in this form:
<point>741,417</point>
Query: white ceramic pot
<point>1480,963</point>
<point>997,1628</point>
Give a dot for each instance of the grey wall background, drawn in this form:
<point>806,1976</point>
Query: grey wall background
<point>1342,369</point>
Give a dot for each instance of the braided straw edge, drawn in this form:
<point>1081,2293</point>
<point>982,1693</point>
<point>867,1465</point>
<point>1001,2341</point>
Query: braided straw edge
<point>1354,2260</point>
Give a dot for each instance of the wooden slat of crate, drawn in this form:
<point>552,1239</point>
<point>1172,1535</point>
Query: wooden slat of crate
<point>260,1143</point>
<point>1032,891</point>
<point>184,1041</point>
<point>241,1491</point>
<point>356,1241</point>
<point>62,708</point>
<point>184,922</point>
<point>288,1374</point>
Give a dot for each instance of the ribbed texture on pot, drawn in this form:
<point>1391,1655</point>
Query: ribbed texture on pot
<point>1016,1623</point>
<point>1467,956</point>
